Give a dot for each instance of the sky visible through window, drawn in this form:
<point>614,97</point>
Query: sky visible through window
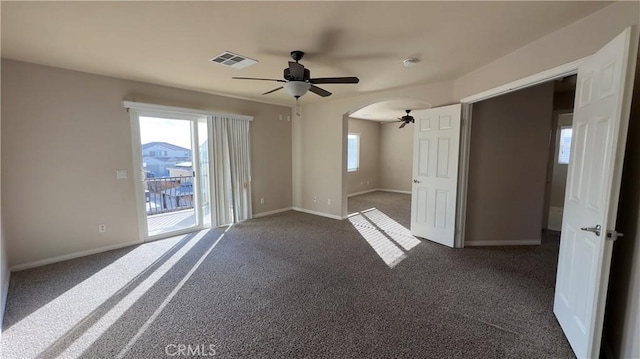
<point>353,147</point>
<point>176,132</point>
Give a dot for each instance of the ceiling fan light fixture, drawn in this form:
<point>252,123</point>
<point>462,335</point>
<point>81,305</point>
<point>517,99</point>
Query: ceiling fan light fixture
<point>297,88</point>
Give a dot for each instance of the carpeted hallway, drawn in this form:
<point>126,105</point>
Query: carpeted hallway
<point>290,285</point>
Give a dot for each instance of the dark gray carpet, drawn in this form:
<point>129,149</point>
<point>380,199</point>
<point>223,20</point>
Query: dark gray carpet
<point>292,285</point>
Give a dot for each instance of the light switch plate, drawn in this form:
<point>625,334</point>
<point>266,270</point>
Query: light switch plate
<point>121,174</point>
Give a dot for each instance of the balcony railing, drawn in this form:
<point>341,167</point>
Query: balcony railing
<point>169,194</point>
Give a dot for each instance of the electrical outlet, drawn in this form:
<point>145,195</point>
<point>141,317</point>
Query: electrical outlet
<point>261,200</point>
<point>102,228</point>
<point>329,201</point>
<point>121,174</point>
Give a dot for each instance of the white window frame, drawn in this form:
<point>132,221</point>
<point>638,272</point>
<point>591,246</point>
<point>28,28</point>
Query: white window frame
<point>559,158</point>
<point>357,166</point>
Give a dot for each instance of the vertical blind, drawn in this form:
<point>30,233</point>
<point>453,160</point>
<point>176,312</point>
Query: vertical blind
<point>230,169</point>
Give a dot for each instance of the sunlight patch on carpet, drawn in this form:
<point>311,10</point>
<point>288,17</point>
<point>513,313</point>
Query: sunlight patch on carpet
<point>387,237</point>
<point>61,315</point>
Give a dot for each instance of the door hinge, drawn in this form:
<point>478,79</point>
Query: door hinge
<point>613,235</point>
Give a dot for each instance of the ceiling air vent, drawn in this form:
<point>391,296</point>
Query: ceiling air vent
<point>233,60</point>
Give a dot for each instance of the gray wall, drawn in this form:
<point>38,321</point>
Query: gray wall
<point>64,134</point>
<point>366,177</point>
<point>396,157</point>
<point>508,166</point>
<point>386,157</point>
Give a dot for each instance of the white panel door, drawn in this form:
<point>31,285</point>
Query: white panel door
<point>600,122</point>
<point>436,147</point>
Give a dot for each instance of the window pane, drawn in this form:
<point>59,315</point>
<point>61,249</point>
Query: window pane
<point>565,145</point>
<point>352,152</point>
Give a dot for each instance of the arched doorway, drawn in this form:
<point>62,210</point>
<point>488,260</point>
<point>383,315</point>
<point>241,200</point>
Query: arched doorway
<point>384,161</point>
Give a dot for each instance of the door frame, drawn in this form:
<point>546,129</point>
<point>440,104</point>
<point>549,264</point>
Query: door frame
<point>136,145</point>
<point>560,71</point>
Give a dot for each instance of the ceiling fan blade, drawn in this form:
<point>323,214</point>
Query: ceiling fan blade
<point>318,91</point>
<point>335,80</point>
<point>274,90</point>
<point>296,70</point>
<point>255,78</point>
<point>403,124</point>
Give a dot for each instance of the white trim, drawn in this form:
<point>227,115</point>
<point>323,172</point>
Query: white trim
<point>535,79</point>
<point>268,213</point>
<point>5,292</point>
<point>321,214</point>
<point>178,232</point>
<point>376,190</point>
<point>181,110</point>
<point>362,192</point>
<point>526,242</point>
<point>136,148</point>
<point>394,191</point>
<point>466,121</point>
<point>65,257</point>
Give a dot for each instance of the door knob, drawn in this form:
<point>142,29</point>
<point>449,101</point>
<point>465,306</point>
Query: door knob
<point>416,181</point>
<point>595,229</point>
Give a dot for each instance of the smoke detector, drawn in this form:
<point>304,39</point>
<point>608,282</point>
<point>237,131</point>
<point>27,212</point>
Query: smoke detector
<point>411,61</point>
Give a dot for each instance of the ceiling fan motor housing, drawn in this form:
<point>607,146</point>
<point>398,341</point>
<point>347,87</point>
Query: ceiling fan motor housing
<point>287,75</point>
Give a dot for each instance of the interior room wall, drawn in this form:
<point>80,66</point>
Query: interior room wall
<point>65,133</point>
<point>319,142</point>
<point>508,166</point>
<point>396,157</point>
<point>366,177</point>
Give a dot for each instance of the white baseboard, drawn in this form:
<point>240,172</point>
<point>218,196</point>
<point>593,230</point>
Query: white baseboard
<point>393,190</point>
<point>378,189</point>
<point>525,242</point>
<point>268,213</point>
<point>362,192</point>
<point>322,214</point>
<point>65,257</point>
<point>5,291</point>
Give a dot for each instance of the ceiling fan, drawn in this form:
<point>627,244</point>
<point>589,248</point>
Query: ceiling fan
<point>406,119</point>
<point>297,80</point>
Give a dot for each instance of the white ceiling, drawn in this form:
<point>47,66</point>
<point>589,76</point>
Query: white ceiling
<point>170,43</point>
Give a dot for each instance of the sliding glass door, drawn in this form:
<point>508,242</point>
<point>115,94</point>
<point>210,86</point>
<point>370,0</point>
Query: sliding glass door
<point>173,183</point>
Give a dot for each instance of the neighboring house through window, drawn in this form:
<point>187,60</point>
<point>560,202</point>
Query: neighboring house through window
<point>353,152</point>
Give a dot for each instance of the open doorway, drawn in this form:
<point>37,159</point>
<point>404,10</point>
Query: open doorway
<point>379,157</point>
<point>518,166</point>
<point>559,152</point>
<point>175,185</point>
